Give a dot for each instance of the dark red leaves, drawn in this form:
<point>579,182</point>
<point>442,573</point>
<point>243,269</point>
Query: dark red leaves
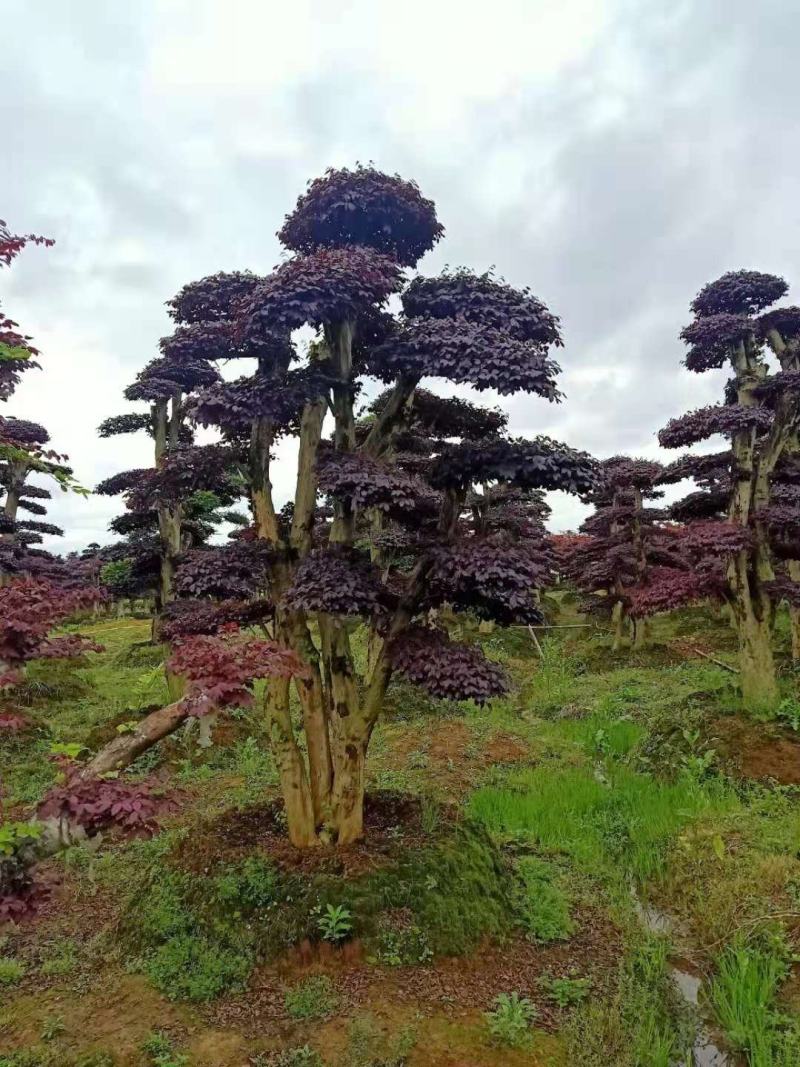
<point>29,610</point>
<point>484,300</point>
<point>469,353</point>
<point>220,670</point>
<point>369,483</point>
<point>713,337</point>
<point>217,297</point>
<point>445,668</point>
<point>337,582</point>
<point>539,463</point>
<point>741,292</point>
<point>363,207</point>
<point>727,419</point>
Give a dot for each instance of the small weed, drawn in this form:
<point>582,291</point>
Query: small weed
<point>159,1047</point>
<point>52,1027</point>
<point>313,998</point>
<point>565,992</point>
<point>11,971</point>
<point>64,959</point>
<point>403,947</point>
<point>302,1056</point>
<point>335,923</point>
<point>368,1046</point>
<point>510,1020</point>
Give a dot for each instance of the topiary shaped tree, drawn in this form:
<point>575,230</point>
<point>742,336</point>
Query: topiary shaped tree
<point>412,515</point>
<point>760,418</point>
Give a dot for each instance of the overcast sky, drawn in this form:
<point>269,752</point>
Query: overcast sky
<point>612,155</point>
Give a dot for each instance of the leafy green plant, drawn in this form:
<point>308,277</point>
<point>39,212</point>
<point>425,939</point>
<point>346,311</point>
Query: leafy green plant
<point>510,1020</point>
<point>194,968</point>
<point>335,923</point>
<point>313,998</point>
<point>368,1046</point>
<point>11,971</point>
<point>250,886</point>
<point>18,835</point>
<point>404,946</point>
<point>566,992</point>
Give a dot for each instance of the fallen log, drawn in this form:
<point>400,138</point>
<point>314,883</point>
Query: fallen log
<point>124,749</point>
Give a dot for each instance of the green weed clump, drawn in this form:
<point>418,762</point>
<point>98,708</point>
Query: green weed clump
<point>743,994</point>
<point>368,1046</point>
<point>510,1020</point>
<point>543,905</point>
<point>11,971</point>
<point>313,998</point>
<point>642,1023</point>
<point>161,1052</point>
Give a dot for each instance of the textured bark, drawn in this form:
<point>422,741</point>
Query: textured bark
<point>124,749</point>
<point>291,769</point>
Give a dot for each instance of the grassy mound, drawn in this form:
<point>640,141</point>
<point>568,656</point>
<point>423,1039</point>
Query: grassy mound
<point>197,934</point>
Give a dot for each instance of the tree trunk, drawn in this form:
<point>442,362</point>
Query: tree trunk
<point>348,796</point>
<point>618,619</point>
<point>291,769</point>
<point>760,691</point>
<point>123,750</point>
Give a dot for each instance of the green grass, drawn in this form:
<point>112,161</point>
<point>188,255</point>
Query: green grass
<point>11,971</point>
<point>743,994</point>
<point>600,818</point>
<point>313,998</point>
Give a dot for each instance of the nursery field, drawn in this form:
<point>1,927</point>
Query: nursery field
<point>599,869</point>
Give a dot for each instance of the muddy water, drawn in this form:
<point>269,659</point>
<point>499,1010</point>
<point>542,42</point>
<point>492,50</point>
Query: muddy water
<point>688,981</point>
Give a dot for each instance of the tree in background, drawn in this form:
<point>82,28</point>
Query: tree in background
<point>16,350</point>
<point>404,527</point>
<point>176,504</point>
<point>624,539</point>
<point>760,419</point>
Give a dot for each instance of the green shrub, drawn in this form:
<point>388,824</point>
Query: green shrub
<point>510,1020</point>
<point>11,971</point>
<point>64,958</point>
<point>335,923</point>
<point>313,998</point>
<point>544,908</point>
<point>194,968</point>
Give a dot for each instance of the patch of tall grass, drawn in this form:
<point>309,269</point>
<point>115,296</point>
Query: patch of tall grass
<point>603,819</point>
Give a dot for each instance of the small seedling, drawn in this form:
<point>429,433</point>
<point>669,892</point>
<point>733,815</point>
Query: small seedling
<point>335,923</point>
<point>52,1027</point>
<point>313,998</point>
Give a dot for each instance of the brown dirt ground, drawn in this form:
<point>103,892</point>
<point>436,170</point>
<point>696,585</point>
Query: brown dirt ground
<point>460,987</point>
<point>757,750</point>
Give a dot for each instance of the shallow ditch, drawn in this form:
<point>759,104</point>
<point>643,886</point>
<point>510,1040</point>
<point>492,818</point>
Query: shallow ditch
<point>707,1049</point>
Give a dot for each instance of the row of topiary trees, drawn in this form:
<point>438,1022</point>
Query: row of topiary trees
<point>416,506</point>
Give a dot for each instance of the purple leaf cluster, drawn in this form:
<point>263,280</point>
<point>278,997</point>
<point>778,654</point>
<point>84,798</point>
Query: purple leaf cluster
<point>740,292</point>
<point>490,579</point>
<point>363,207</point>
<point>712,337</point>
<point>469,353</point>
<point>328,285</point>
<point>727,419</point>
<point>484,300</point>
<point>538,463</point>
<point>371,483</point>
<point>446,669</point>
<point>235,571</point>
<point>336,581</point>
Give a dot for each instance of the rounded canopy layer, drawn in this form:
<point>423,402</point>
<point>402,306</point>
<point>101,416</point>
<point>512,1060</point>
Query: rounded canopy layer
<point>363,207</point>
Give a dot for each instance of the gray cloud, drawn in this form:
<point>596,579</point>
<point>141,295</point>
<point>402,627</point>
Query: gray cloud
<point>612,155</point>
